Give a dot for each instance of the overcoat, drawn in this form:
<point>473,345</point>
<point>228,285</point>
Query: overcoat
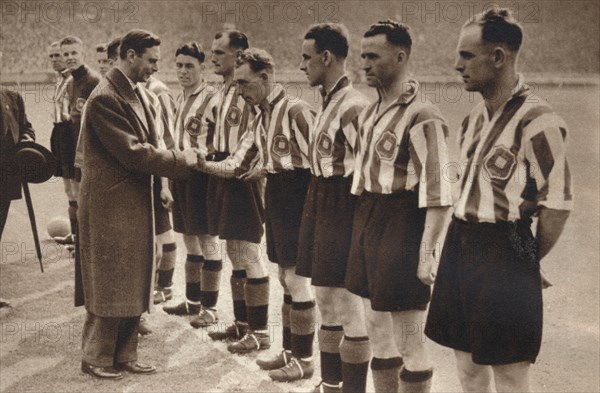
<point>116,233</point>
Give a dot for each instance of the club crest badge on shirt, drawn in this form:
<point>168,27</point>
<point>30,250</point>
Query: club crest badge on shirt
<point>234,116</point>
<point>193,126</point>
<point>499,164</point>
<point>324,145</point>
<point>281,145</point>
<point>386,146</point>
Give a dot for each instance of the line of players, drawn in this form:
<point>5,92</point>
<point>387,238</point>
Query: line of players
<point>355,205</point>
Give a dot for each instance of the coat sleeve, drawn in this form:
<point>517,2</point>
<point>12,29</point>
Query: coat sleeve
<point>107,116</point>
<point>25,128</point>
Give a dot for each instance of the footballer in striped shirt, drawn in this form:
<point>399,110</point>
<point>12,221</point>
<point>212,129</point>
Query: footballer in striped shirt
<point>193,128</point>
<point>276,146</point>
<point>235,208</point>
<point>326,229</point>
<point>402,208</point>
<point>487,301</point>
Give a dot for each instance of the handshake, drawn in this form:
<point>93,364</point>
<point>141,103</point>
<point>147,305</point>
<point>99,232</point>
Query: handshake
<point>194,158</point>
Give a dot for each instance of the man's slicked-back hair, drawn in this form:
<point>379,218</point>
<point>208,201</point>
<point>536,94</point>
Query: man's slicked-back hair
<point>54,44</point>
<point>101,48</point>
<point>498,27</point>
<point>70,40</point>
<point>112,49</point>
<point>138,40</point>
<point>192,49</point>
<point>237,39</point>
<point>330,36</point>
<point>396,33</point>
<point>258,60</point>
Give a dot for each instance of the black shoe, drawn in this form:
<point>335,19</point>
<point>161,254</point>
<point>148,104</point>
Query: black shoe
<point>184,308</point>
<point>136,368</point>
<point>278,361</point>
<point>101,372</point>
<point>250,342</point>
<point>235,331</point>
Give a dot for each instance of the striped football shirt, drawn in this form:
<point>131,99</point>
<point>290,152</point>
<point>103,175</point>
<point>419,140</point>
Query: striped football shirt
<point>513,159</point>
<point>232,118</point>
<point>278,135</point>
<point>403,148</point>
<point>167,105</point>
<point>60,98</point>
<point>194,120</point>
<point>333,137</point>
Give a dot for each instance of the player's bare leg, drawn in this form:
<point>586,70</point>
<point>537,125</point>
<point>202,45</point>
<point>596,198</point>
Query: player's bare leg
<point>210,281</point>
<point>417,371</point>
<point>343,340</point>
<point>72,191</point>
<point>512,377</point>
<point>473,377</point>
<point>247,257</point>
<point>387,360</point>
<point>298,317</point>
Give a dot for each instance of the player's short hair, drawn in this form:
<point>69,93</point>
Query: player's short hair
<point>54,44</point>
<point>330,36</point>
<point>498,26</point>
<point>138,40</point>
<point>192,49</point>
<point>112,49</point>
<point>70,40</point>
<point>101,48</point>
<point>396,33</point>
<point>237,39</point>
<point>257,59</point>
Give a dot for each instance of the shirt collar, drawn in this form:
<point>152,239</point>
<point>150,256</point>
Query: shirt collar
<point>274,97</point>
<point>342,82</point>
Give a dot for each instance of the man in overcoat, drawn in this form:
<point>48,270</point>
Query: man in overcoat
<point>121,157</point>
<point>14,128</point>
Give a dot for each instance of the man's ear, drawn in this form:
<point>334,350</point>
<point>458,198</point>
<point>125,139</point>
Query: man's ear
<point>130,55</point>
<point>499,56</point>
<point>402,56</point>
<point>326,57</point>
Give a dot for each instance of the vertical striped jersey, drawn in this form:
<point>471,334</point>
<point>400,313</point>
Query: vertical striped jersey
<point>333,137</point>
<point>278,135</point>
<point>512,161</point>
<point>60,98</point>
<point>232,118</point>
<point>403,148</point>
<point>167,105</point>
<point>194,120</point>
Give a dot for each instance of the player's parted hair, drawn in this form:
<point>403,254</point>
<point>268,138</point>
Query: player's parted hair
<point>396,33</point>
<point>330,36</point>
<point>101,48</point>
<point>138,40</point>
<point>112,49</point>
<point>237,39</point>
<point>70,40</point>
<point>54,44</point>
<point>257,59</point>
<point>498,27</point>
<point>192,49</point>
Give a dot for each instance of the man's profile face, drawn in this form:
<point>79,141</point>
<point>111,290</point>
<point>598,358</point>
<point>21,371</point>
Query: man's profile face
<point>223,56</point>
<point>73,55</point>
<point>311,63</point>
<point>146,64</point>
<point>56,59</point>
<point>475,61</point>
<point>104,63</point>
<point>379,60</point>
<point>189,70</point>
<point>253,86</point>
